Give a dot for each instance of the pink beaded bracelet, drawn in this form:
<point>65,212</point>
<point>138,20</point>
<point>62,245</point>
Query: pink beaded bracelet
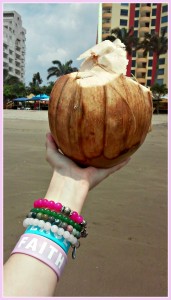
<point>58,207</point>
<point>44,250</point>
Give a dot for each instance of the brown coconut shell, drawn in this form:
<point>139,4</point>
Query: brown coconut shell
<point>98,124</point>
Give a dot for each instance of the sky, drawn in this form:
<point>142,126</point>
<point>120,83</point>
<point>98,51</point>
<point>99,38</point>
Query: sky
<point>55,31</point>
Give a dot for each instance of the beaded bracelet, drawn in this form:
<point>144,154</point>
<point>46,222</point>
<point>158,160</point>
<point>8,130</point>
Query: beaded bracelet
<point>54,228</point>
<point>58,207</point>
<point>46,214</point>
<point>74,228</point>
<point>59,240</point>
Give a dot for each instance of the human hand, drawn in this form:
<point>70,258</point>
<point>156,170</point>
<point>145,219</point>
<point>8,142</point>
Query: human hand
<point>65,166</point>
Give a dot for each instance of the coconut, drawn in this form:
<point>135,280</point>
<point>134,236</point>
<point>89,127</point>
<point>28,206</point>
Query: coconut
<point>99,116</point>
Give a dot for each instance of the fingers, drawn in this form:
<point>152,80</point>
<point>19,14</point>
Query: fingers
<point>119,166</point>
<point>59,161</point>
<point>54,155</point>
<point>100,174</point>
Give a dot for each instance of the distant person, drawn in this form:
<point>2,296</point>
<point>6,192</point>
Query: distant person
<point>36,104</point>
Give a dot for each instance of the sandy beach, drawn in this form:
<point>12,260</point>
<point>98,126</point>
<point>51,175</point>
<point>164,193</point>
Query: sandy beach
<point>125,253</point>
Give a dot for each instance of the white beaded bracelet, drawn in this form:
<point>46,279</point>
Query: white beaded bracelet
<point>47,226</point>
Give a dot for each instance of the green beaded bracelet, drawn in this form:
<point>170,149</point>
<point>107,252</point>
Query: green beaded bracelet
<point>47,212</point>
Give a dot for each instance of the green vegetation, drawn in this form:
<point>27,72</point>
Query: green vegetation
<point>14,88</point>
<point>126,36</point>
<point>151,42</point>
<point>158,91</point>
<point>155,43</point>
<point>61,69</point>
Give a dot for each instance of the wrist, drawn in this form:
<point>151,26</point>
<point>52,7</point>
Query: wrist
<point>70,192</point>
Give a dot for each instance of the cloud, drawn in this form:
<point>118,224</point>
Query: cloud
<point>51,54</point>
<point>56,31</point>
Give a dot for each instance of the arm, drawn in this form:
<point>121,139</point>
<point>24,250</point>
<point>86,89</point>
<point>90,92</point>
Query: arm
<point>25,275</point>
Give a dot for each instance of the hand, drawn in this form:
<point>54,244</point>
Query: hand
<point>65,166</point>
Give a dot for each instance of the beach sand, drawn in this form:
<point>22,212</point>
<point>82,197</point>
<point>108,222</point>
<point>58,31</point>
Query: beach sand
<point>125,253</point>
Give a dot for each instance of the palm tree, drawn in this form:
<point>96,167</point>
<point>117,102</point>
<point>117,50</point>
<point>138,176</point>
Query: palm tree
<point>34,85</point>
<point>128,38</point>
<point>37,80</point>
<point>61,69</point>
<point>157,44</point>
<point>158,91</point>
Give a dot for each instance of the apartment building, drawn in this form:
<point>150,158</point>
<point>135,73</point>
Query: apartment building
<point>144,17</point>
<point>14,48</point>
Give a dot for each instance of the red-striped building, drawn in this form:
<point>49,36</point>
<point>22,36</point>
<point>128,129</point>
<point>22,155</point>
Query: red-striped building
<point>144,17</point>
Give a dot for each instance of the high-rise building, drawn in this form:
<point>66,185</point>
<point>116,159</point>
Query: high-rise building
<point>144,17</point>
<point>14,47</point>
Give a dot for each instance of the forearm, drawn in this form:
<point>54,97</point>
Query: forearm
<point>27,276</point>
<point>70,192</point>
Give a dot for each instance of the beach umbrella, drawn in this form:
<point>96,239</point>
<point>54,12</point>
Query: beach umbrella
<point>44,96</point>
<point>35,97</point>
<point>40,97</point>
<point>21,99</point>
